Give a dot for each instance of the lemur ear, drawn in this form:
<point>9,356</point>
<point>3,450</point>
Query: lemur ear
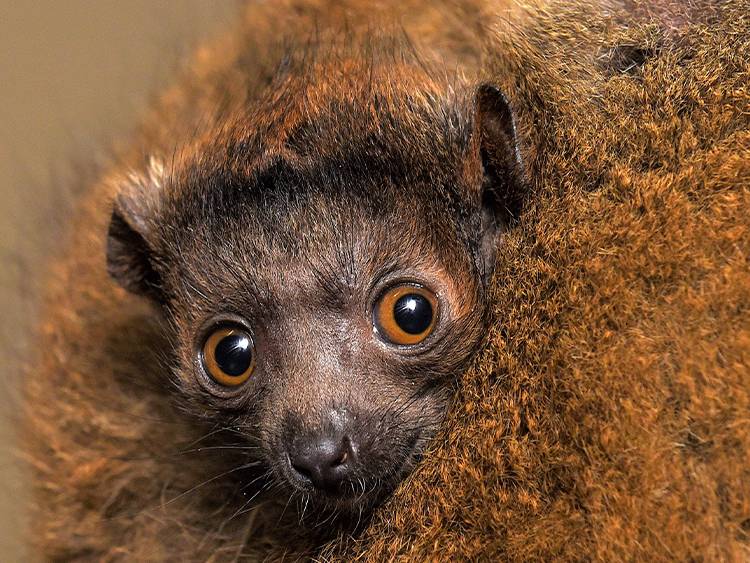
<point>131,256</point>
<point>502,184</point>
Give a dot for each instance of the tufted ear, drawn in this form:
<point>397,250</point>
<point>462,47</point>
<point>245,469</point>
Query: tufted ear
<point>131,256</point>
<point>502,171</point>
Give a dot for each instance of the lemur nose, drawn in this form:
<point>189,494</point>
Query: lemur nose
<point>325,461</point>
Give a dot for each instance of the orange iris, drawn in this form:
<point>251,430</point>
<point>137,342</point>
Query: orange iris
<point>406,314</point>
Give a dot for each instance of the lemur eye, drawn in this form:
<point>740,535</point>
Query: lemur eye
<point>406,314</point>
<point>229,356</point>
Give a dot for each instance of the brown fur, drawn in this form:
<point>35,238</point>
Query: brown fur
<point>607,418</point>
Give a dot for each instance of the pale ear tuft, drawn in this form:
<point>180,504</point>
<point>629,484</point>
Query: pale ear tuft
<point>131,248</point>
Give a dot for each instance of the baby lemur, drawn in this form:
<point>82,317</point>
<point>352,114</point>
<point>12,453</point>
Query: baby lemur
<point>322,257</point>
<point>316,248</point>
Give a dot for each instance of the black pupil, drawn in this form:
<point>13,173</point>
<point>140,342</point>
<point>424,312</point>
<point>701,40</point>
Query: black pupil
<point>234,354</point>
<point>413,313</point>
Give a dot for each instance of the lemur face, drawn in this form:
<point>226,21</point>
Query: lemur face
<point>334,340</point>
<point>325,281</point>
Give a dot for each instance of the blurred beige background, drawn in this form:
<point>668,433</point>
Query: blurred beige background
<point>74,76</point>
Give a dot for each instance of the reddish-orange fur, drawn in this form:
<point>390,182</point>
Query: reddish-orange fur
<point>608,417</point>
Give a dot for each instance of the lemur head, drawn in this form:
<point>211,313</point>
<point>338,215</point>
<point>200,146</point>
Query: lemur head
<point>323,258</point>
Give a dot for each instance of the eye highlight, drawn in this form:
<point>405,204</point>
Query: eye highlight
<point>406,314</point>
<point>228,356</point>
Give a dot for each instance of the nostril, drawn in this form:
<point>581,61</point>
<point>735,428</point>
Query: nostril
<point>342,459</point>
<point>345,453</point>
<point>303,471</point>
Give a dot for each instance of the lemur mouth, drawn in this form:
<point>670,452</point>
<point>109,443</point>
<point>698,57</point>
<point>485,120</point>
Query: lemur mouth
<point>356,486</point>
